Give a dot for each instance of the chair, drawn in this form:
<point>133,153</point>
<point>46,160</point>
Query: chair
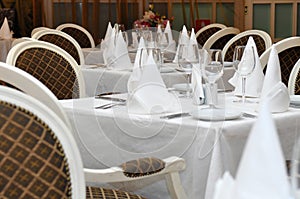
<point>64,41</point>
<point>37,29</point>
<point>204,33</point>
<point>288,52</point>
<point>40,158</point>
<point>30,85</point>
<point>80,34</point>
<point>219,39</point>
<point>51,65</point>
<point>262,40</point>
<point>294,80</point>
<point>38,155</point>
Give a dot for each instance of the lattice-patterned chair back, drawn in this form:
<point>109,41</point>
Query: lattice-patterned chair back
<point>288,52</point>
<point>51,65</point>
<point>39,157</point>
<point>205,32</point>
<point>294,80</point>
<point>262,40</point>
<point>64,41</point>
<point>220,38</point>
<point>25,82</point>
<point>80,34</point>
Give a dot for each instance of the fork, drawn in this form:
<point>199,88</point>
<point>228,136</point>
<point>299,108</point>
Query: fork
<point>109,105</point>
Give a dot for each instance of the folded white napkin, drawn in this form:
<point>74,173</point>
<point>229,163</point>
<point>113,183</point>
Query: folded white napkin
<point>197,86</point>
<point>140,61</point>
<point>109,37</point>
<point>273,88</point>
<point>5,32</point>
<point>183,39</point>
<point>261,173</point>
<point>116,55</point>
<point>151,95</point>
<point>254,81</point>
<point>172,43</point>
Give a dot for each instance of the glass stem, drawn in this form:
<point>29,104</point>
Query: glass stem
<point>211,100</point>
<point>243,89</point>
<point>188,92</point>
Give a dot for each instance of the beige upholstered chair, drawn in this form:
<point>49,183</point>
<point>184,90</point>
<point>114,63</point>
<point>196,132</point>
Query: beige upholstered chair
<point>219,39</point>
<point>261,38</point>
<point>64,41</point>
<point>294,80</point>
<point>51,65</point>
<point>205,32</point>
<point>80,34</point>
<point>40,158</point>
<point>288,52</point>
<point>25,82</point>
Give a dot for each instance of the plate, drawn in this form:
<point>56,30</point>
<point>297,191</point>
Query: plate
<point>295,99</point>
<point>166,69</point>
<point>181,87</point>
<point>227,63</point>
<point>216,114</point>
<point>183,69</point>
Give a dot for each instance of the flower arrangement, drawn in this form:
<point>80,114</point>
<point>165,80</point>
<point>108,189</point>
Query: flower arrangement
<point>152,19</point>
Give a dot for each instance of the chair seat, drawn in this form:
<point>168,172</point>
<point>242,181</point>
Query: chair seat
<point>101,193</point>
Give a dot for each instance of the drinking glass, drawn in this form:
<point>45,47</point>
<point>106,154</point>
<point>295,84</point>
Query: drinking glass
<point>187,56</point>
<point>148,39</point>
<point>212,69</point>
<point>162,42</point>
<point>244,64</point>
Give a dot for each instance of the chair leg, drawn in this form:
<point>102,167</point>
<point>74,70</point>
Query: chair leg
<point>174,186</point>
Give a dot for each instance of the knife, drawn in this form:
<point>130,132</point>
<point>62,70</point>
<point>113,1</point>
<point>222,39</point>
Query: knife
<point>107,93</point>
<point>111,98</point>
<point>175,115</point>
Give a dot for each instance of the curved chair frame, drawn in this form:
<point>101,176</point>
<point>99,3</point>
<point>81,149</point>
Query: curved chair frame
<point>60,130</point>
<point>37,29</point>
<point>33,87</point>
<point>18,49</point>
<point>288,52</point>
<point>242,39</point>
<point>22,39</point>
<point>71,25</point>
<point>294,80</point>
<point>219,37</point>
<point>59,41</point>
<point>208,31</point>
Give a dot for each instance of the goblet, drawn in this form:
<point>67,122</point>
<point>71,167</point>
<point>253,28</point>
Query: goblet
<point>212,69</point>
<point>244,64</point>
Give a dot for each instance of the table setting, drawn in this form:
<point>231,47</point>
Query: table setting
<point>6,40</point>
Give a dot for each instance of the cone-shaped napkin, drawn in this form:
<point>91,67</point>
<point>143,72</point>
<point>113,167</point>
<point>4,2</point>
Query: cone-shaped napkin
<point>273,88</point>
<point>151,95</point>
<point>140,61</point>
<point>254,81</point>
<point>183,39</point>
<point>5,32</point>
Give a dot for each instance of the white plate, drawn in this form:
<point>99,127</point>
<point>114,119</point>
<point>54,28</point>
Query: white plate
<point>181,87</point>
<point>216,114</point>
<point>227,63</point>
<point>183,69</point>
<point>295,99</point>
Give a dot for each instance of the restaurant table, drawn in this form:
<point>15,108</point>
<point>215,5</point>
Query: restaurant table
<point>99,79</point>
<point>5,45</point>
<point>112,136</point>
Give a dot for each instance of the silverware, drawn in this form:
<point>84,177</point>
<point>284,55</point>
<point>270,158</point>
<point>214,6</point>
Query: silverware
<point>107,93</point>
<point>175,115</point>
<point>109,105</point>
<point>110,98</point>
<point>249,115</point>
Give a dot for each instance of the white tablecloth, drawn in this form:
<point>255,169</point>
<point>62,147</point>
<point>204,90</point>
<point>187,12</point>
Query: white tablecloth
<point>110,137</point>
<point>5,45</point>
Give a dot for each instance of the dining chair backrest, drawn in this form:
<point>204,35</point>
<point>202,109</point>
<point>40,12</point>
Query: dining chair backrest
<point>219,39</point>
<point>37,29</point>
<point>25,82</point>
<point>294,80</point>
<point>51,65</point>
<point>80,34</point>
<point>64,41</point>
<point>261,38</point>
<point>205,32</point>
<point>288,52</point>
<point>39,157</point>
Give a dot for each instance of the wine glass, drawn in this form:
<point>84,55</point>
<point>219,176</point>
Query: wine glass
<point>244,64</point>
<point>187,56</point>
<point>162,42</point>
<point>212,65</point>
